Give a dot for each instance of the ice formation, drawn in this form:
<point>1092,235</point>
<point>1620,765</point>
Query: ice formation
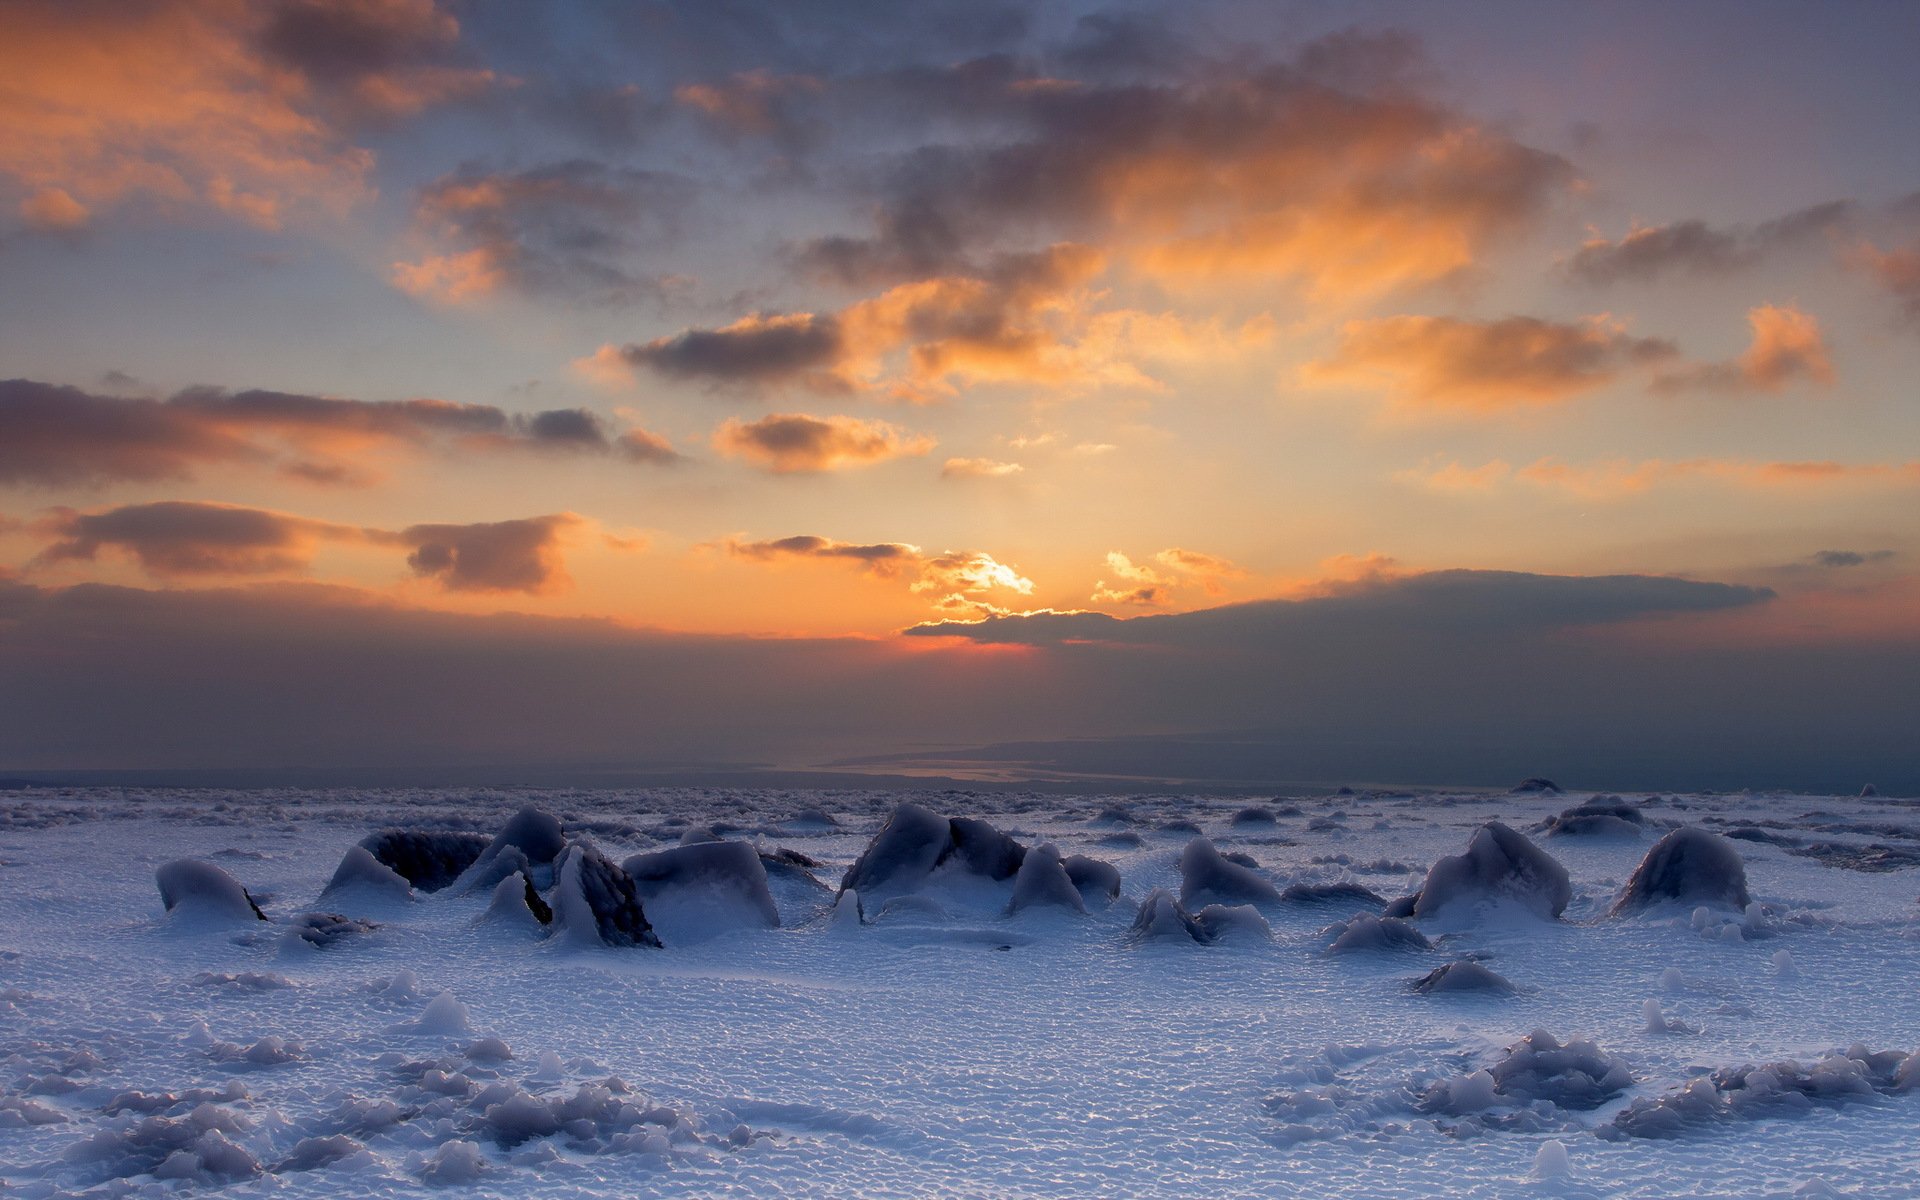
<point>594,901</point>
<point>530,843</point>
<point>1161,917</point>
<point>916,842</point>
<point>1042,882</point>
<point>1602,816</point>
<point>1464,976</point>
<point>427,859</point>
<point>1778,1089</point>
<point>362,876</point>
<point>1364,931</point>
<point>1499,865</point>
<point>1688,866</point>
<point>1208,877</point>
<point>1331,893</point>
<point>203,891</point>
<point>1097,880</point>
<point>712,885</point>
<point>1575,1074</point>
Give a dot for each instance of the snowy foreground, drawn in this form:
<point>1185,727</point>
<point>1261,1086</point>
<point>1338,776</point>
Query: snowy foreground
<point>1252,1030</point>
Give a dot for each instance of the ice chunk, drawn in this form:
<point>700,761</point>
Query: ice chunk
<point>426,859</point>
<point>1042,881</point>
<point>846,913</point>
<point>916,841</point>
<point>320,930</point>
<point>204,892</point>
<point>310,1154</point>
<point>1551,1161</point>
<point>1688,866</point>
<point>1206,877</point>
<point>363,876</point>
<point>1572,1074</point>
<point>1755,1092</point>
<point>1534,785</point>
<point>1463,976</point>
<point>1784,967</point>
<point>1601,816</point>
<point>444,1016</point>
<point>704,887</point>
<point>529,843</point>
<point>1162,917</point>
<point>1364,931</point>
<point>1220,921</point>
<point>1097,880</point>
<point>515,905</point>
<point>456,1162</point>
<point>1659,1022</point>
<point>1331,893</point>
<point>594,901</point>
<point>1254,815</point>
<point>1501,865</point>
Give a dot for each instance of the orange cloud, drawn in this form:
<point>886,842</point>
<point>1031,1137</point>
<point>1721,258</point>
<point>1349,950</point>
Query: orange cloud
<point>787,443</point>
<point>1617,478</point>
<point>960,580</point>
<point>238,107</point>
<point>978,468</point>
<point>1787,347</point>
<point>1485,366</point>
<point>1896,270</point>
<point>1147,587</point>
<point>1025,319</point>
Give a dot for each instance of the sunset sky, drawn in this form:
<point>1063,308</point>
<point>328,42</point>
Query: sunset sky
<point>392,383</point>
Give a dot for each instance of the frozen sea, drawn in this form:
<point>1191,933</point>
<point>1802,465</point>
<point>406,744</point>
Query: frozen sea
<point>942,1047</point>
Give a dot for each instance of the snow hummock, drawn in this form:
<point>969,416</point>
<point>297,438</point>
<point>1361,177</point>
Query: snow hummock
<point>426,859</point>
<point>702,888</point>
<point>1500,865</point>
<point>1602,816</point>
<point>1161,917</point>
<point>916,843</point>
<point>1208,877</point>
<point>361,876</point>
<point>1688,866</point>
<point>204,892</point>
<point>1777,1089</point>
<point>594,901</point>
<point>1042,881</point>
<point>1463,976</point>
<point>1364,931</point>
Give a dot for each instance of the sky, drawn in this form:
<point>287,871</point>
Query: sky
<point>1418,392</point>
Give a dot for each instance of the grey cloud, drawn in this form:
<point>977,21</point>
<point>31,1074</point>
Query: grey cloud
<point>1694,247</point>
<point>1850,558</point>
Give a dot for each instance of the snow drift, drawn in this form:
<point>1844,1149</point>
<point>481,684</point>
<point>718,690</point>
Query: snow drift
<point>1688,866</point>
<point>1501,866</point>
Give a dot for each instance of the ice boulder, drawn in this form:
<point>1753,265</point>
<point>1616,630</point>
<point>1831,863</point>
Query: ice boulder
<point>320,930</point>
<point>701,888</point>
<point>1754,1092</point>
<point>595,903</point>
<point>1331,893</point>
<point>1465,977</point>
<point>1208,877</point>
<point>1042,881</point>
<point>1364,931</point>
<point>1254,815</point>
<point>530,843</point>
<point>1575,1074</point>
<point>1097,880</point>
<point>426,859</point>
<point>362,876</point>
<point>916,843</point>
<point>1602,816</point>
<point>1534,786</point>
<point>515,905</point>
<point>1162,918</point>
<point>1499,865</point>
<point>1688,866</point>
<point>191,888</point>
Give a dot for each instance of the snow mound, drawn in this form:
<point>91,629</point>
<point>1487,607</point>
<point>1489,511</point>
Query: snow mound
<point>1254,815</point>
<point>204,892</point>
<point>704,887</point>
<point>1602,816</point>
<point>1208,877</point>
<point>1534,785</point>
<point>1364,931</point>
<point>1462,977</point>
<point>1042,881</point>
<point>916,842</point>
<point>594,901</point>
<point>1500,865</point>
<point>426,859</point>
<point>515,905</point>
<point>1162,918</point>
<point>1097,880</point>
<point>1688,866</point>
<point>1331,893</point>
<point>320,930</point>
<point>444,1016</point>
<point>196,1147</point>
<point>1574,1075</point>
<point>531,843</point>
<point>1757,1092</point>
<point>361,875</point>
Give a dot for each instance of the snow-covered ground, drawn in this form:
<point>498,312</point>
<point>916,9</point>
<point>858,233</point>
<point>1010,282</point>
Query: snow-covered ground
<point>448,1041</point>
